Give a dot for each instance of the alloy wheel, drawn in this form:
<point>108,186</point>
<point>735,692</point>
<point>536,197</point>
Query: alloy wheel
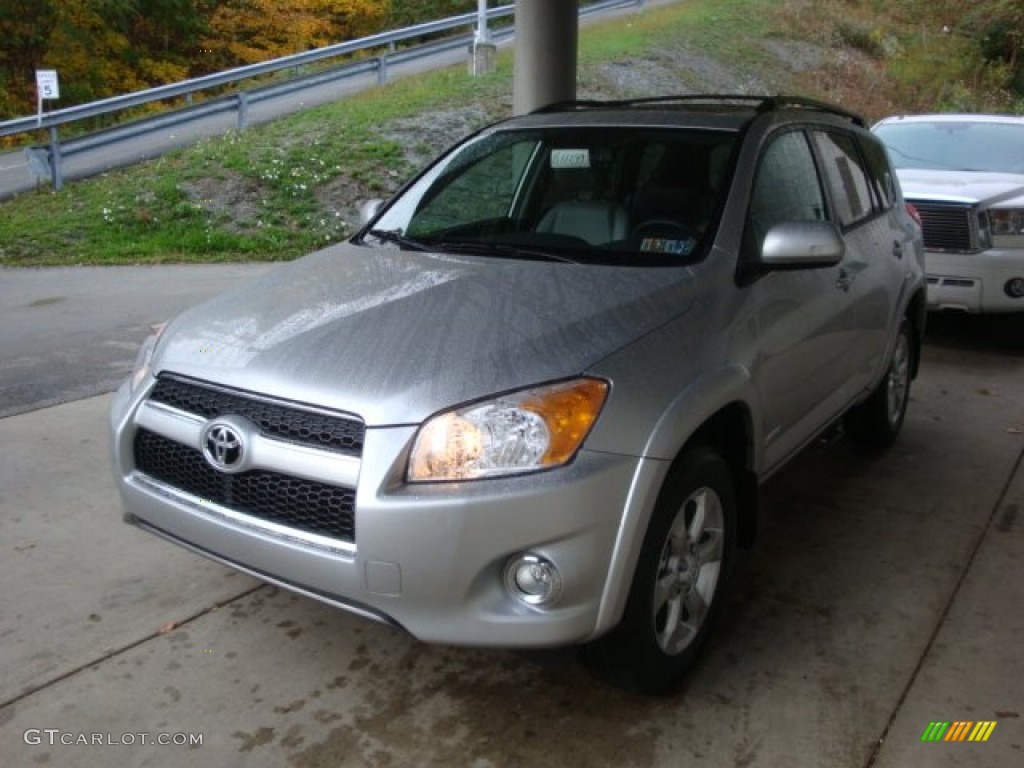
<point>688,571</point>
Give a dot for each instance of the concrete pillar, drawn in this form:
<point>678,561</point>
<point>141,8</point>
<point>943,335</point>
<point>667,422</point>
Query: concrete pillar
<point>547,32</point>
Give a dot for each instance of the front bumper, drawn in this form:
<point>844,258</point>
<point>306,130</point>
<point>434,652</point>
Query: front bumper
<point>974,282</point>
<point>428,558</point>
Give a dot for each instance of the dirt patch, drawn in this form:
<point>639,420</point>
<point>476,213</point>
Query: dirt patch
<point>423,137</point>
<point>671,72</point>
<point>230,195</point>
<point>796,55</point>
<point>342,197</point>
<point>682,69</point>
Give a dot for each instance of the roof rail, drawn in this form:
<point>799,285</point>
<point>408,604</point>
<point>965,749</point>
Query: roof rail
<point>773,103</point>
<point>760,104</point>
<point>562,106</point>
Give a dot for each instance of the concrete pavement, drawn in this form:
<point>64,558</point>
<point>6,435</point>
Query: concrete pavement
<point>72,332</point>
<point>883,594</point>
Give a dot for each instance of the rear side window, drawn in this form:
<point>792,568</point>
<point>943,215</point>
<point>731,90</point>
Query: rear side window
<point>846,175</point>
<point>881,173</point>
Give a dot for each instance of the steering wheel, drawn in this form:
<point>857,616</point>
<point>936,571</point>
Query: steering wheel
<point>665,228</point>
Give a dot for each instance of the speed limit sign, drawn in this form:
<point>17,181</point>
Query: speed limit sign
<point>46,88</point>
<point>46,83</point>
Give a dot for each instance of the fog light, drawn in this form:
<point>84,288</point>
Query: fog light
<point>1015,287</point>
<point>533,580</point>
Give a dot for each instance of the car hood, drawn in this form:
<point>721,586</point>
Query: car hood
<point>961,186</point>
<point>395,336</point>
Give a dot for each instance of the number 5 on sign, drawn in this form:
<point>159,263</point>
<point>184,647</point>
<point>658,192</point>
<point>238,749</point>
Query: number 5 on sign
<point>46,82</point>
<point>47,87</point>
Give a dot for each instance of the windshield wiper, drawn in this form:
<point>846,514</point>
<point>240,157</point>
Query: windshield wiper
<point>504,250</point>
<point>395,237</point>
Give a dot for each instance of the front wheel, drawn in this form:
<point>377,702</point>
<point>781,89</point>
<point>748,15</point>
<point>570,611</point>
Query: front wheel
<point>678,582</point>
<point>874,424</point>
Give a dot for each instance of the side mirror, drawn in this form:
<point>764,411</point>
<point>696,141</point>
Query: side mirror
<point>802,245</point>
<point>368,210</point>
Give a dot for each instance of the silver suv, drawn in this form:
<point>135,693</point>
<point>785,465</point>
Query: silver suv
<point>530,403</point>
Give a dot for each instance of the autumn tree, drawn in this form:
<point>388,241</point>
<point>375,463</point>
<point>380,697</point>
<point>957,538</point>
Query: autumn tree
<point>99,47</point>
<point>25,28</point>
<point>405,13</point>
<point>248,31</point>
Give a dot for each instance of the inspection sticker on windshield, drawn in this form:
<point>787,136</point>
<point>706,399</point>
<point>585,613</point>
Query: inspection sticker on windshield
<point>570,158</point>
<point>664,245</point>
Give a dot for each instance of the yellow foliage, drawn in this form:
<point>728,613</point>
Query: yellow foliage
<point>103,48</point>
<point>249,31</point>
<point>89,54</point>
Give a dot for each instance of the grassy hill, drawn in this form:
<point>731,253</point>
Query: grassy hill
<point>280,190</point>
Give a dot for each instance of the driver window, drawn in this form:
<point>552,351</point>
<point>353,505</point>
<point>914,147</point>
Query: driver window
<point>786,187</point>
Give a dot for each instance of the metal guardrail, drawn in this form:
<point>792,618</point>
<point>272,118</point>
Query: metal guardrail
<point>48,158</point>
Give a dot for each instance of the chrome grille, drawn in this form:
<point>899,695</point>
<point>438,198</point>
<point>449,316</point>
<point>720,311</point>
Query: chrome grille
<point>946,226</point>
<point>303,505</point>
<point>276,419</point>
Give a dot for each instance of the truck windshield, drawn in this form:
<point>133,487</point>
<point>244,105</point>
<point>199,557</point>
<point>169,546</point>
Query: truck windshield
<point>946,145</point>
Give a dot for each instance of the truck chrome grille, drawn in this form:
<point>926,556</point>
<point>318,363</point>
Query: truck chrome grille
<point>280,420</point>
<point>303,505</point>
<point>946,226</point>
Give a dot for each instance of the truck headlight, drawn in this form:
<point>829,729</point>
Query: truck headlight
<point>538,428</point>
<point>142,361</point>
<point>1006,221</point>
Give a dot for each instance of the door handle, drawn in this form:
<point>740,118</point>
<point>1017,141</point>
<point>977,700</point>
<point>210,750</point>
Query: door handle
<point>844,281</point>
<point>897,249</point>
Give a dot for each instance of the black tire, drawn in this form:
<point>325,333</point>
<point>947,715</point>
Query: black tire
<point>688,551</point>
<point>874,424</point>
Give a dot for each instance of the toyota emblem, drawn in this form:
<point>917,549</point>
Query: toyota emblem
<point>224,446</point>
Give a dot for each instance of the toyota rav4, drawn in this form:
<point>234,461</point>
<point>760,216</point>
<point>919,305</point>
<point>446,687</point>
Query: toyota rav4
<point>530,403</point>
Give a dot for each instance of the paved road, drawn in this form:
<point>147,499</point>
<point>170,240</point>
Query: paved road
<point>69,333</point>
<point>883,594</point>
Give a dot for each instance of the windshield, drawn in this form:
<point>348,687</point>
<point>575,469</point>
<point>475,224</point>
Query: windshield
<point>608,194</point>
<point>959,145</point>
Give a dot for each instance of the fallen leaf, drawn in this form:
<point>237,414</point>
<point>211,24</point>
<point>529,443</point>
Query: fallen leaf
<point>170,625</point>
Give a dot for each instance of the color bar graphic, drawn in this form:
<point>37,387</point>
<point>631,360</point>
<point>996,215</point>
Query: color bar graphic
<point>959,730</point>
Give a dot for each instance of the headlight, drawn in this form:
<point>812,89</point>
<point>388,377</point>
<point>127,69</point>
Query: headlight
<point>1006,221</point>
<point>524,431</point>
<point>141,368</point>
